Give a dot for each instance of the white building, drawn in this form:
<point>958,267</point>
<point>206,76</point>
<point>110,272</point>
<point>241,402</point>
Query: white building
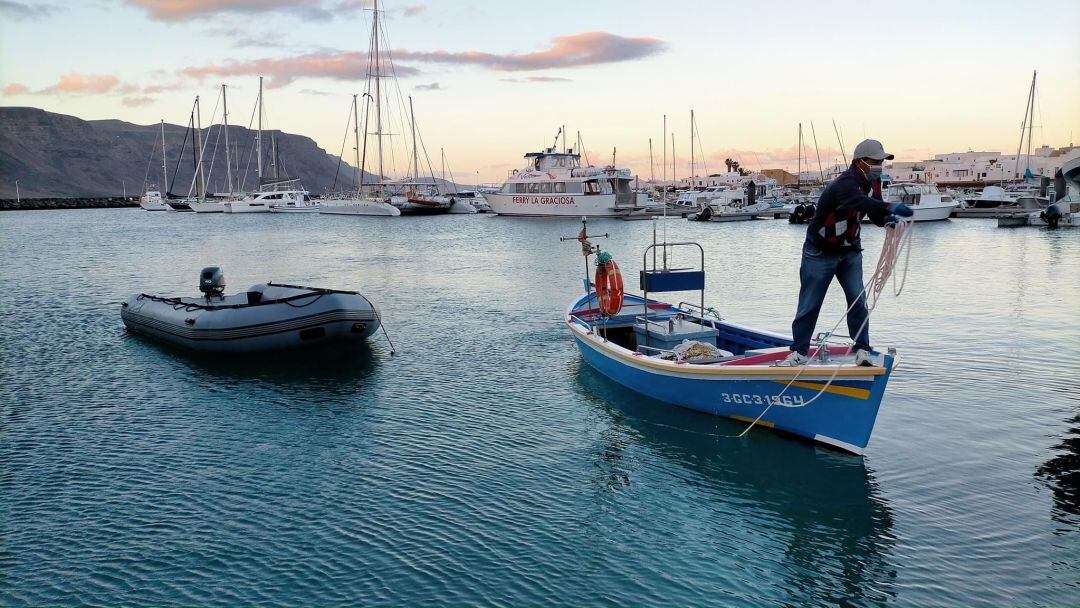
<point>981,167</point>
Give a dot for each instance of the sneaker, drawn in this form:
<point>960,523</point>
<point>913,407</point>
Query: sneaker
<point>795,359</point>
<point>863,358</point>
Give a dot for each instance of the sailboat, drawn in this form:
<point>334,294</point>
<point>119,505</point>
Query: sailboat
<point>218,206</point>
<point>153,200</point>
<point>198,178</point>
<point>358,204</point>
<point>273,190</point>
<point>415,197</point>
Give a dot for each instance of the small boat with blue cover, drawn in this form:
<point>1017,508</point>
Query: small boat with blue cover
<point>267,317</point>
<point>685,354</point>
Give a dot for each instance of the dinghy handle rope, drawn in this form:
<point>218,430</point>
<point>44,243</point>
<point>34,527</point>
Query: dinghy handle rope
<point>382,325</point>
<point>897,240</point>
<point>177,304</point>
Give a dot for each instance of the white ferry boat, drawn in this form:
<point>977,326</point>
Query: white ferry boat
<point>556,184</point>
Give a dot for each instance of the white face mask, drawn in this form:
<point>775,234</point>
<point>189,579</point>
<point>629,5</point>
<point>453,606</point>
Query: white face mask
<point>872,171</point>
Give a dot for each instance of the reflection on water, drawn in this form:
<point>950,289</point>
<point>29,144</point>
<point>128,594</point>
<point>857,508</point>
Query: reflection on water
<point>837,525</point>
<point>1062,473</point>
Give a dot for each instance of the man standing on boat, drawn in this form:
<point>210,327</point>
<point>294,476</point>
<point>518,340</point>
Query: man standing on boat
<point>833,249</point>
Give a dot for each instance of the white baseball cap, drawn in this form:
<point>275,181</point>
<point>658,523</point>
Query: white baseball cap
<point>871,148</point>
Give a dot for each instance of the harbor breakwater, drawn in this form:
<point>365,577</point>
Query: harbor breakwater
<point>99,202</point>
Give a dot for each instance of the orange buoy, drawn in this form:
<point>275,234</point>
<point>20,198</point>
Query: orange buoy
<point>609,288</point>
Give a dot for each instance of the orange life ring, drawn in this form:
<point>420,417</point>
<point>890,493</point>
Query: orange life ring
<point>609,288</point>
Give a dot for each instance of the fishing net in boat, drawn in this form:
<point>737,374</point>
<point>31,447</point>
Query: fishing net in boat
<point>693,351</point>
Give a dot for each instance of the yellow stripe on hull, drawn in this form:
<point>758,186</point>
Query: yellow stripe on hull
<point>846,391</point>
<point>763,423</point>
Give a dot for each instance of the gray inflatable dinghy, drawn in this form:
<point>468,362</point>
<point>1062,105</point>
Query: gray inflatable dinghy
<point>267,317</point>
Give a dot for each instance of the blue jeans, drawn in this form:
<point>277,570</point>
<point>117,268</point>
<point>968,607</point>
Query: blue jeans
<point>816,273</point>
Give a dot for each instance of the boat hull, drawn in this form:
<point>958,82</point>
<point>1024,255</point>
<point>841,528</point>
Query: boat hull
<point>925,213</point>
<point>836,410</point>
<point>358,207</point>
<point>246,207</point>
<point>316,320</point>
<point>560,205</point>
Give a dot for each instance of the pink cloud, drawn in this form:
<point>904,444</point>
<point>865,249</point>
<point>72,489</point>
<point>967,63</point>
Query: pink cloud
<point>184,10</point>
<point>15,89</point>
<point>349,66</point>
<point>90,84</point>
<point>133,102</point>
<point>536,79</point>
<point>589,48</point>
<point>412,11</point>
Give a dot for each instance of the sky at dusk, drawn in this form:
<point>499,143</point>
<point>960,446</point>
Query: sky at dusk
<point>493,80</point>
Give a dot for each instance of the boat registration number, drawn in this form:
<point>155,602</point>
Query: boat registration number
<point>746,399</point>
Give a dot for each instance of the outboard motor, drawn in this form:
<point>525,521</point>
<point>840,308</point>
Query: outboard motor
<point>212,281</point>
<point>1052,215</point>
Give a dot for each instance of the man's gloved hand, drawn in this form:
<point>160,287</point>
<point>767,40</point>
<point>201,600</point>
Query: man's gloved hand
<point>902,210</point>
<point>892,219</point>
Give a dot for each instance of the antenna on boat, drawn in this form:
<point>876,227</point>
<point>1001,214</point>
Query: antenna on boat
<point>587,248</point>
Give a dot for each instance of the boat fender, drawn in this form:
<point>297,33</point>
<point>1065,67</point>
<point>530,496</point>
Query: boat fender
<point>255,293</point>
<point>609,285</point>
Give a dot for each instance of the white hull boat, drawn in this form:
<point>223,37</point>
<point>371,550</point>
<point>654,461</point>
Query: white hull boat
<point>208,206</point>
<point>267,317</point>
<point>358,206</point>
<point>461,206</point>
<point>925,201</point>
<point>557,184</point>
<point>152,201</point>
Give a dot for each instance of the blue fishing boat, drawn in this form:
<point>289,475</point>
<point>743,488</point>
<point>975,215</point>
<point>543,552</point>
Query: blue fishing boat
<point>685,354</point>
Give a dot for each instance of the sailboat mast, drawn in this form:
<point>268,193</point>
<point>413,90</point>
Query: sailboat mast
<point>356,141</point>
<point>363,157</point>
<point>415,155</point>
<point>378,88</point>
<point>225,118</point>
<point>1031,122</point>
<point>164,164</point>
<point>798,176</point>
<point>821,171</point>
<point>198,135</point>
<point>1023,125</point>
<point>652,171</point>
<point>691,148</point>
<point>258,135</point>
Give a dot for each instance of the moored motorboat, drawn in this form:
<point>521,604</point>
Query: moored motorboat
<point>687,356</point>
<point>267,317</point>
<point>925,201</point>
<point>152,201</point>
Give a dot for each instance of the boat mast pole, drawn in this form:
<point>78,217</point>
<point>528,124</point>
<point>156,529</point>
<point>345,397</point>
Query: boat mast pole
<point>840,140</point>
<point>258,136</point>
<point>798,176</point>
<point>691,149</point>
<point>1031,122</point>
<point>164,165</point>
<point>415,156</point>
<point>378,88</point>
<point>356,142</point>
<point>821,171</point>
<point>363,161</point>
<point>1023,126</point>
<point>225,118</point>
<point>198,135</point>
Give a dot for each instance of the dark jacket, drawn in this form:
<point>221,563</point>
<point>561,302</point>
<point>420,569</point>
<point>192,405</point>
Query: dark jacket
<point>835,226</point>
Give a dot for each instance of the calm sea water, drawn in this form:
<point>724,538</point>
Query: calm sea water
<point>485,463</point>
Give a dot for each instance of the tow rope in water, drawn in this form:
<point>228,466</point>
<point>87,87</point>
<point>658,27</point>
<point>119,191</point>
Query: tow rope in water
<point>897,243</point>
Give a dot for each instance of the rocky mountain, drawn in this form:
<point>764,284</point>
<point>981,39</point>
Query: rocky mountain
<point>55,155</point>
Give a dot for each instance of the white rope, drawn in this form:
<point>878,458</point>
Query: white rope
<point>897,241</point>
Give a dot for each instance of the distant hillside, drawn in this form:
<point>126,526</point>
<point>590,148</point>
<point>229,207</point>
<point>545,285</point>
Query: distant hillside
<point>55,155</point>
